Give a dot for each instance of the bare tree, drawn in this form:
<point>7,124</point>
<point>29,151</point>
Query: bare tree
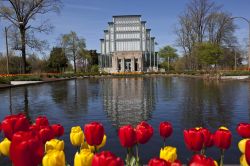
<point>203,21</point>
<point>199,11</point>
<point>22,14</point>
<point>221,29</point>
<point>73,46</point>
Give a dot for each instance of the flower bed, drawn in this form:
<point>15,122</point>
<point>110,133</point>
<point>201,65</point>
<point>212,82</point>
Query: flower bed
<point>32,144</point>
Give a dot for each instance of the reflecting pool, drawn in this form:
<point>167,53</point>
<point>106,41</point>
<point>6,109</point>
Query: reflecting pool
<point>185,102</point>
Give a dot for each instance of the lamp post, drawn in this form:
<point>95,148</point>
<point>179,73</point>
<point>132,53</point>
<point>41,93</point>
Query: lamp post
<point>248,21</point>
<point>7,47</point>
<point>235,60</point>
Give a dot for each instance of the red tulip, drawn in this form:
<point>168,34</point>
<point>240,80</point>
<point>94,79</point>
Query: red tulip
<point>106,158</point>
<point>14,123</point>
<point>247,152</point>
<point>34,127</point>
<point>222,138</point>
<point>42,121</point>
<point>46,133</point>
<point>160,162</point>
<point>243,130</point>
<point>58,130</point>
<point>200,160</point>
<point>165,129</point>
<point>94,133</point>
<point>208,137</point>
<point>0,127</point>
<point>176,163</point>
<point>127,136</point>
<point>194,139</point>
<point>26,149</point>
<point>157,162</point>
<point>144,132</point>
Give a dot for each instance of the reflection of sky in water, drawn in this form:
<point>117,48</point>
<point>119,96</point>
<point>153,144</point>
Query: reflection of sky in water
<point>118,101</point>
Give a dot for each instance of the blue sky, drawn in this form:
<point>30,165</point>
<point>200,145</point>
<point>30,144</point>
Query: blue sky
<point>89,18</point>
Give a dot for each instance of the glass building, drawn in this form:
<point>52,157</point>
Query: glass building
<point>127,46</point>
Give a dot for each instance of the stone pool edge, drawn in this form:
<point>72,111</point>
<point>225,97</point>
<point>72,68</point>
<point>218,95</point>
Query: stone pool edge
<point>3,86</point>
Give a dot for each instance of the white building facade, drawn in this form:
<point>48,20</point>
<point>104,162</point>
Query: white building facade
<point>127,46</point>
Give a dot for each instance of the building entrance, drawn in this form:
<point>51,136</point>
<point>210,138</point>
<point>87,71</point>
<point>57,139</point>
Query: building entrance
<point>136,64</point>
<point>119,65</point>
<point>127,64</point>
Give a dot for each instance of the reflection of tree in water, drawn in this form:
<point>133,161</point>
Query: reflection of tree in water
<point>73,95</point>
<point>207,103</point>
<point>26,104</point>
<point>60,93</point>
<point>128,100</point>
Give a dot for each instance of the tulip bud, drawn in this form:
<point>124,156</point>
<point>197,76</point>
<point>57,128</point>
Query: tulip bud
<point>54,144</point>
<point>46,133</point>
<point>222,138</point>
<point>178,163</point>
<point>208,137</point>
<point>42,121</point>
<point>26,149</point>
<point>243,161</point>
<point>106,158</point>
<point>84,158</point>
<point>169,154</point>
<point>104,140</point>
<point>242,145</point>
<point>194,139</point>
<point>243,130</point>
<point>14,123</point>
<point>94,133</point>
<point>5,147</point>
<point>247,152</point>
<point>165,129</point>
<point>76,136</point>
<point>157,162</point>
<point>127,136</point>
<point>144,132</point>
<point>58,130</point>
<point>54,158</point>
<point>201,161</point>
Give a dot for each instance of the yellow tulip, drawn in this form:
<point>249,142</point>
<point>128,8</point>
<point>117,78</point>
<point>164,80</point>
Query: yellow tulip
<point>84,158</point>
<point>5,147</point>
<point>242,145</point>
<point>198,128</point>
<point>223,128</point>
<point>54,158</point>
<point>104,140</point>
<point>243,161</point>
<point>215,163</point>
<point>76,136</point>
<point>168,153</point>
<point>54,144</point>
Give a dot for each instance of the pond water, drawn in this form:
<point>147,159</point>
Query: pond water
<point>114,102</point>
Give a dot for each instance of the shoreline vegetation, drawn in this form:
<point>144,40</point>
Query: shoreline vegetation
<point>5,79</point>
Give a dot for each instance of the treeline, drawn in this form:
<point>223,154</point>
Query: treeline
<point>205,34</point>
<point>57,61</point>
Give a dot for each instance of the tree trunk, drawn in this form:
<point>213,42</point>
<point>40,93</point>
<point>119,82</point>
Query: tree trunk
<point>23,48</point>
<point>74,64</point>
<point>74,54</point>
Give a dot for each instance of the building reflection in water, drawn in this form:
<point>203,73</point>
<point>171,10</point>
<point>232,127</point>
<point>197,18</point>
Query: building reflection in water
<point>128,100</point>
